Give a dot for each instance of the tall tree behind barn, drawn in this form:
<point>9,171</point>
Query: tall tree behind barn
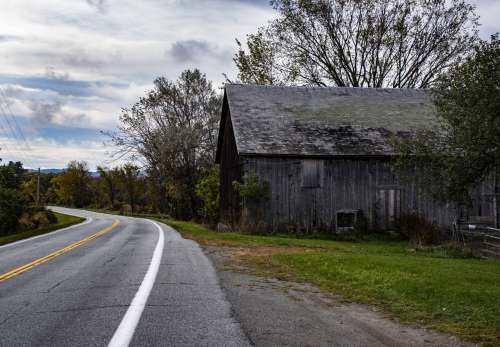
<point>326,154</point>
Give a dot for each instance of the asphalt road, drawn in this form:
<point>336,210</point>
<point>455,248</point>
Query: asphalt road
<point>127,282</point>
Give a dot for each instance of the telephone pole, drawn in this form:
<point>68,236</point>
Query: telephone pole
<point>38,189</point>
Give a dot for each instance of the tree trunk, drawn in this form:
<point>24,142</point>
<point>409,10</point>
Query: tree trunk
<point>162,201</point>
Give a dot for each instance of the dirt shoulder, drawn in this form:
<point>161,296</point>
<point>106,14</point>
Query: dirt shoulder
<point>278,312</point>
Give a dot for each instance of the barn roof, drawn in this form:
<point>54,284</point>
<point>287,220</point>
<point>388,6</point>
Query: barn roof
<point>305,121</point>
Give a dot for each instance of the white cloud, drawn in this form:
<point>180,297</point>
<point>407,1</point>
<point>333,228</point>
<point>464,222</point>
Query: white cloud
<point>44,108</point>
<point>489,11</point>
<point>78,63</point>
<point>47,153</point>
<point>126,41</point>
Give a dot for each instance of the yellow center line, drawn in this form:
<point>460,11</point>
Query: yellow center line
<point>19,270</point>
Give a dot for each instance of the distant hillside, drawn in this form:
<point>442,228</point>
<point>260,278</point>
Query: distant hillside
<point>54,171</point>
<point>58,171</point>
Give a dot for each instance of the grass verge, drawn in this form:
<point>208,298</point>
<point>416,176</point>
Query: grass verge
<point>63,221</point>
<point>454,295</point>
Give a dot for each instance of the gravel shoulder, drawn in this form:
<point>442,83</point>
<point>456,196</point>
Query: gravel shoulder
<point>275,312</point>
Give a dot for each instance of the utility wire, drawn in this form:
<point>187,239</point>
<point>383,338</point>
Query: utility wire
<point>16,129</point>
<point>19,129</point>
<point>16,146</point>
<point>19,152</point>
<point>34,163</point>
<point>5,147</point>
<point>14,133</point>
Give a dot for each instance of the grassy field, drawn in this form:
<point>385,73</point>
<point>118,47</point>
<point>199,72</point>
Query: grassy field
<point>63,221</point>
<point>432,287</point>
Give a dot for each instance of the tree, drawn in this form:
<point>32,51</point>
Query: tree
<point>12,203</point>
<point>129,181</point>
<point>359,43</point>
<point>12,206</point>
<point>452,158</point>
<point>208,189</point>
<point>73,185</point>
<point>11,175</point>
<point>173,131</point>
<point>109,179</point>
<point>260,63</point>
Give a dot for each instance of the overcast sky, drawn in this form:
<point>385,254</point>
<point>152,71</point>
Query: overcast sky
<point>67,67</point>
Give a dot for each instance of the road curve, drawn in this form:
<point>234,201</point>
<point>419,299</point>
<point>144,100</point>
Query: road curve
<point>76,287</point>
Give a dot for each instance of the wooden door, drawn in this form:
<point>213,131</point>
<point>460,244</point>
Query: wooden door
<point>388,208</point>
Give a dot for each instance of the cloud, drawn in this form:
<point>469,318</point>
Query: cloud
<point>59,85</point>
<point>99,4</point>
<point>43,108</point>
<point>51,73</point>
<point>188,50</point>
<point>255,2</point>
<point>44,112</point>
<point>69,68</point>
<point>7,38</point>
<point>48,153</point>
<point>194,50</point>
<point>81,58</point>
<point>488,11</point>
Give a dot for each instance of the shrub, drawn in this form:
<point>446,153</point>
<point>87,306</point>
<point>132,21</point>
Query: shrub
<point>251,190</point>
<point>40,219</point>
<point>25,223</point>
<point>208,191</point>
<point>51,216</point>
<point>419,231</point>
<point>35,218</point>
<point>12,206</point>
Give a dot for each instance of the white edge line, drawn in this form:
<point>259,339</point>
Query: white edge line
<point>88,220</point>
<point>125,331</point>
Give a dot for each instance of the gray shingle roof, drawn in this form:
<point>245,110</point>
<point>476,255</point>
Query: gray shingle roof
<point>324,121</point>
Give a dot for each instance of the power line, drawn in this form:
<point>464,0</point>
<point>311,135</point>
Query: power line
<point>15,130</point>
<point>19,129</point>
<point>16,147</point>
<point>4,147</point>
<point>21,152</point>
<point>33,162</point>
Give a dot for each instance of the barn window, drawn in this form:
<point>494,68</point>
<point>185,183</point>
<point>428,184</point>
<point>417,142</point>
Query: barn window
<point>311,173</point>
<point>346,219</point>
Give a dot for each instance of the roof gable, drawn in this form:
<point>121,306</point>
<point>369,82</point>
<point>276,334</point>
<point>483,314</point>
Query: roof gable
<point>303,121</point>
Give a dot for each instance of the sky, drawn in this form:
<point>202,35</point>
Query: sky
<point>68,67</point>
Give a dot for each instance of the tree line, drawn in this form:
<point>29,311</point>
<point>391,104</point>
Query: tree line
<point>168,141</point>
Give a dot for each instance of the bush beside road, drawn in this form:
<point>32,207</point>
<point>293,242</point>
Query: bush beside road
<point>63,221</point>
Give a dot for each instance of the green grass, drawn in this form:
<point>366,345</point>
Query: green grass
<point>63,221</point>
<point>459,296</point>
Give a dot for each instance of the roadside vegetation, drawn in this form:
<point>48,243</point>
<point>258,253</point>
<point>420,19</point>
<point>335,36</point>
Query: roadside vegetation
<point>20,214</point>
<point>437,287</point>
<point>62,221</point>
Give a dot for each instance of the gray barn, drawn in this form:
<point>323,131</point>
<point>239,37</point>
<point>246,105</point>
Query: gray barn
<point>325,153</point>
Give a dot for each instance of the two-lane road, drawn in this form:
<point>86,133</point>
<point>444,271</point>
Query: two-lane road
<point>112,280</point>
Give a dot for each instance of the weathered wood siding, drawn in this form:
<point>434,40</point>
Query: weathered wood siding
<point>230,171</point>
<point>369,185</point>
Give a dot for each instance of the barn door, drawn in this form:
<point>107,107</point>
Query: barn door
<point>388,207</point>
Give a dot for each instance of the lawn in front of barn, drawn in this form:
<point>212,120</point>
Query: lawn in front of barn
<point>436,287</point>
